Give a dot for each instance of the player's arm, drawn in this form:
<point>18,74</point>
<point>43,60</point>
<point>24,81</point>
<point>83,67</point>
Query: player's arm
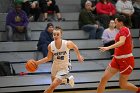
<point>117,44</point>
<point>48,58</point>
<point>73,46</point>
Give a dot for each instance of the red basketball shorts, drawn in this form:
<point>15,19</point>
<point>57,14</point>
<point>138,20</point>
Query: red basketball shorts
<point>125,65</point>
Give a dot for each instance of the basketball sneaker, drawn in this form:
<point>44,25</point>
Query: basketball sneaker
<point>71,81</point>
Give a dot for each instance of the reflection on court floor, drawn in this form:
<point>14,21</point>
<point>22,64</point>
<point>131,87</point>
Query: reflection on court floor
<point>94,91</point>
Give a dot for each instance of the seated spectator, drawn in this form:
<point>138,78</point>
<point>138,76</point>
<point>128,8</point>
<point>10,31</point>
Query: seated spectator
<point>31,7</point>
<point>17,21</point>
<point>88,22</point>
<point>45,38</point>
<point>125,7</point>
<point>109,34</point>
<point>136,15</point>
<point>49,6</point>
<point>106,11</point>
<point>93,8</point>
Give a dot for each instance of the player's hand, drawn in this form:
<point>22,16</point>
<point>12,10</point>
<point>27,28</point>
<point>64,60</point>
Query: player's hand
<point>103,49</point>
<point>32,61</point>
<point>80,58</point>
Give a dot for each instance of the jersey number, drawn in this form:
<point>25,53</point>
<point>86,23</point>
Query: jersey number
<point>60,57</point>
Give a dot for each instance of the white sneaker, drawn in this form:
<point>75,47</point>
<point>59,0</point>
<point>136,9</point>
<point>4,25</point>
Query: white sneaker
<point>71,81</point>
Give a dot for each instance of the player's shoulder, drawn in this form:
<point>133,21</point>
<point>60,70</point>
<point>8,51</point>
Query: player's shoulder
<point>69,42</point>
<point>125,29</point>
<point>49,46</point>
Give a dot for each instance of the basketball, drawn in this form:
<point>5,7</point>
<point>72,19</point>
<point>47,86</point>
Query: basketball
<point>31,66</point>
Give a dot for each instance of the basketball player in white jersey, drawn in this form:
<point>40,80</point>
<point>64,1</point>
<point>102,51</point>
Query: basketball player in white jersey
<point>59,50</point>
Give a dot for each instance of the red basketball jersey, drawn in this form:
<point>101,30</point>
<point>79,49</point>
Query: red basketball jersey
<point>126,48</point>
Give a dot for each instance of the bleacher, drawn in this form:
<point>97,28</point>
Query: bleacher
<point>87,75</point>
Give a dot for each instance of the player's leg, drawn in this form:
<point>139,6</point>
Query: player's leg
<point>69,80</point>
<point>109,72</point>
<point>56,82</point>
<point>126,69</point>
<point>125,84</point>
<point>52,78</point>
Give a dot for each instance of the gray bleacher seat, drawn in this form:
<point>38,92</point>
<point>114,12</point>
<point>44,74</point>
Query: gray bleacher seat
<point>70,8</point>
<point>32,45</point>
<point>23,56</point>
<point>42,25</point>
<point>136,42</point>
<point>69,5</point>
<point>22,46</point>
<point>88,54</point>
<point>71,16</point>
<point>67,34</point>
<point>68,2</point>
<point>135,32</point>
<point>3,17</point>
<point>68,16</point>
<point>76,66</point>
<point>64,25</point>
<point>70,34</point>
<point>2,26</point>
<point>5,6</point>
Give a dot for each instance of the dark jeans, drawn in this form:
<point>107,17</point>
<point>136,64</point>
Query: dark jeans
<point>31,11</point>
<point>94,32</point>
<point>108,44</point>
<point>11,31</point>
<point>43,49</point>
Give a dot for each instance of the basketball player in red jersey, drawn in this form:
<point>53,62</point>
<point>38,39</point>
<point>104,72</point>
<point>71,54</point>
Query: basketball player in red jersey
<point>123,60</point>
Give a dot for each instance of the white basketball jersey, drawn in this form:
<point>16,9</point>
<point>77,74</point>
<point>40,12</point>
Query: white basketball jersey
<point>60,55</point>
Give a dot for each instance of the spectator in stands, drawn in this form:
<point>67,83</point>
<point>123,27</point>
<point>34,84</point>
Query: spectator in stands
<point>31,7</point>
<point>125,7</point>
<point>108,36</point>
<point>136,15</point>
<point>17,21</point>
<point>88,22</point>
<point>93,8</point>
<point>45,39</point>
<point>106,11</point>
<point>49,6</point>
